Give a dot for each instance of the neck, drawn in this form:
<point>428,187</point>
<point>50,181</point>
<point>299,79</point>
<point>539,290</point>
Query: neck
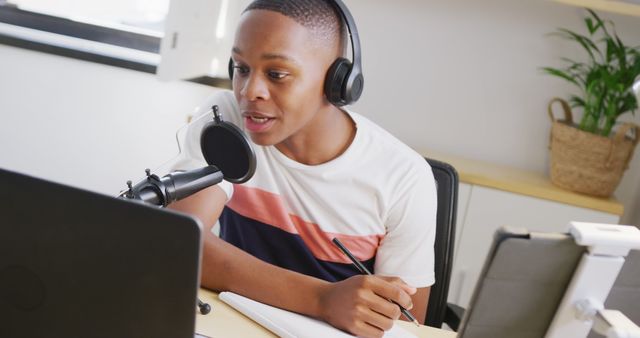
<point>329,135</point>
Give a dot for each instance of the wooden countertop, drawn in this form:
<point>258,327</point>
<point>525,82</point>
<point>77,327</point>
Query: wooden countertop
<point>522,182</point>
<point>614,6</point>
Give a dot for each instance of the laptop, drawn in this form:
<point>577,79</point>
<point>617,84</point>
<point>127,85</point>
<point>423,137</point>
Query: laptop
<point>75,263</point>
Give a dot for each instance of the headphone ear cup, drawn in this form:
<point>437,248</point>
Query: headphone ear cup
<point>335,82</point>
<point>230,69</point>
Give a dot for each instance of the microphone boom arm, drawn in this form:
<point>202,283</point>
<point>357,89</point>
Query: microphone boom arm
<point>174,186</point>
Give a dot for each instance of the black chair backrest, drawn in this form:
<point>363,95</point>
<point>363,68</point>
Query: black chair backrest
<point>446,179</point>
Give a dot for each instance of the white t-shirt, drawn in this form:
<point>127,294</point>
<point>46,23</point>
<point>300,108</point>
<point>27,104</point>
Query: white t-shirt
<point>378,198</point>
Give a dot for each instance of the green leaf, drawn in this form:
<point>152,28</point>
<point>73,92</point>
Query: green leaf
<point>601,24</point>
<point>594,75</point>
<point>611,50</point>
<point>571,61</point>
<point>628,103</point>
<point>585,42</point>
<point>560,74</point>
<point>622,54</point>
<point>576,101</point>
<point>634,70</point>
<point>595,16</point>
<point>590,25</point>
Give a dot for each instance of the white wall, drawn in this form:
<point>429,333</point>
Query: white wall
<point>86,124</point>
<point>454,76</point>
<point>463,77</point>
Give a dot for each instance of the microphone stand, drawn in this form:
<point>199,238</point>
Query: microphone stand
<point>172,187</point>
<point>161,191</point>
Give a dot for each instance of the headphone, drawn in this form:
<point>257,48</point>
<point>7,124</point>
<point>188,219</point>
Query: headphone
<point>344,81</point>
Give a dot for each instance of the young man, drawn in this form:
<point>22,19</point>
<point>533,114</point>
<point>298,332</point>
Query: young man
<point>322,172</point>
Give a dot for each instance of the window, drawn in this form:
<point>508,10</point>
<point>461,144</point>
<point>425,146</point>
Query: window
<point>127,33</point>
<point>144,16</point>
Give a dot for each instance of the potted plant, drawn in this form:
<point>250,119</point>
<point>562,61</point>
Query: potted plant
<point>590,156</point>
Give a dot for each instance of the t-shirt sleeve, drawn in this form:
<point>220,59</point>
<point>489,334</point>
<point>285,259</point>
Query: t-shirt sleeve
<point>407,250</point>
<point>188,137</point>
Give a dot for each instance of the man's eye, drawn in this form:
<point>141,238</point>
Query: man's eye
<point>241,69</point>
<point>277,75</point>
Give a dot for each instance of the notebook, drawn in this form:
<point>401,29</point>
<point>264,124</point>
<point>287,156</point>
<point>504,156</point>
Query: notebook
<point>288,324</point>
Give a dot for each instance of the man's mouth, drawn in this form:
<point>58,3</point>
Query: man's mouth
<point>257,123</point>
<point>259,120</point>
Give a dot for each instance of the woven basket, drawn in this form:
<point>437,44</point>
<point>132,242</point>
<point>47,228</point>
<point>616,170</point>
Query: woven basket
<point>588,163</point>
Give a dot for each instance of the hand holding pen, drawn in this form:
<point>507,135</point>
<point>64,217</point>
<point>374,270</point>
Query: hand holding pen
<point>363,270</point>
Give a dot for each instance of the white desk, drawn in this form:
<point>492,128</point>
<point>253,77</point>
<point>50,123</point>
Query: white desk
<point>224,321</point>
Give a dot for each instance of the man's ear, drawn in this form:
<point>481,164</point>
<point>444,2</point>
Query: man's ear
<point>230,66</point>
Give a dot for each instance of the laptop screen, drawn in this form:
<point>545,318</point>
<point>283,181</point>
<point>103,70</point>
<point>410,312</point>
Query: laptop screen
<point>74,263</point>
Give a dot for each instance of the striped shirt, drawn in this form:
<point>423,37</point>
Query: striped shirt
<point>378,198</point>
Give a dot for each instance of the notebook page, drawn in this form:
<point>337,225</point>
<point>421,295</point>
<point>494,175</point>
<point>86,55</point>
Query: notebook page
<point>292,325</point>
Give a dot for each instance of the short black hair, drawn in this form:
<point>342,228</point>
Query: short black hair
<point>320,16</point>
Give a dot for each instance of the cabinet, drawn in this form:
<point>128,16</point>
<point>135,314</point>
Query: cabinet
<point>487,210</point>
<point>628,7</point>
<point>491,196</point>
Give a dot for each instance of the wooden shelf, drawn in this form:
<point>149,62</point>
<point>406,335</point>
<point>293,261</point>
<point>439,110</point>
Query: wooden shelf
<point>522,182</point>
<point>614,6</point>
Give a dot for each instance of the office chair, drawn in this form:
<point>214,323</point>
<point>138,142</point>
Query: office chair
<point>446,179</point>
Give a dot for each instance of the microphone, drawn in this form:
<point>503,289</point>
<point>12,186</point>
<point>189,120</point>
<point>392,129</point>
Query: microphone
<point>229,155</point>
<point>226,146</point>
<point>227,151</point>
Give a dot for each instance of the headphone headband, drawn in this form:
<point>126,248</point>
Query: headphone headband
<point>353,33</point>
<point>344,81</point>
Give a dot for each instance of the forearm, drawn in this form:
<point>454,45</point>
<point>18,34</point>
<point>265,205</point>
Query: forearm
<point>359,305</point>
<point>225,267</point>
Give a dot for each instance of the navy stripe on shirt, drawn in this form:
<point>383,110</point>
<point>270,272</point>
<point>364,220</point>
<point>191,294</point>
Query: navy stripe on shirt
<point>281,248</point>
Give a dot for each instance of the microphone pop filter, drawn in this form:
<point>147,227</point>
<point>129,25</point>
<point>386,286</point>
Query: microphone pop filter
<point>224,145</point>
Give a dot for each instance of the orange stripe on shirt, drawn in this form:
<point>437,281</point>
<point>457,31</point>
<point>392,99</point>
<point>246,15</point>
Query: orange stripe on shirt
<point>268,208</point>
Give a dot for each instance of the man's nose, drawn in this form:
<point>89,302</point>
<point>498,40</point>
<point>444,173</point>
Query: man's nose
<point>255,87</point>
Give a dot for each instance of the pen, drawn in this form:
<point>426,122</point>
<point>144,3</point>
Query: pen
<point>363,270</point>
